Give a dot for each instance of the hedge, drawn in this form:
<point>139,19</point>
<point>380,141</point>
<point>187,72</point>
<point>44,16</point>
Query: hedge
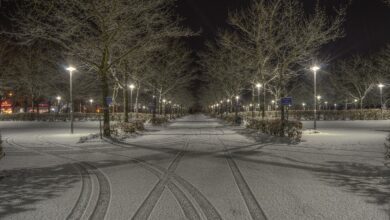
<point>65,117</point>
<point>127,127</point>
<point>159,120</point>
<point>365,114</point>
<point>292,129</point>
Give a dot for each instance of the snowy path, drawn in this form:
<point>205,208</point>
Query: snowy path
<point>196,168</point>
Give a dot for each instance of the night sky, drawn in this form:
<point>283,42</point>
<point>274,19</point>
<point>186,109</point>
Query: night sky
<point>367,25</point>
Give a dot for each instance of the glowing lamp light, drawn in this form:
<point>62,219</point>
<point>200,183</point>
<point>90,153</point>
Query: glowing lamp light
<point>71,69</point>
<point>315,68</point>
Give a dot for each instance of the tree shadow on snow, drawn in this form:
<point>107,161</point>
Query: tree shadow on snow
<point>21,188</point>
<point>371,182</point>
<point>368,181</point>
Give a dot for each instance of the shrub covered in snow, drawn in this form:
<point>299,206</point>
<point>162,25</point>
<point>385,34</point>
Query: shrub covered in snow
<point>159,120</point>
<point>365,114</point>
<point>124,128</point>
<point>292,129</point>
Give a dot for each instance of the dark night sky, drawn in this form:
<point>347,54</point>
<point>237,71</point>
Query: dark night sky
<point>367,26</point>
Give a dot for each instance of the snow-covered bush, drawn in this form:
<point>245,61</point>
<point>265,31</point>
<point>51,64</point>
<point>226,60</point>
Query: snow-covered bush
<point>127,127</point>
<point>159,120</point>
<point>292,129</point>
<point>232,119</point>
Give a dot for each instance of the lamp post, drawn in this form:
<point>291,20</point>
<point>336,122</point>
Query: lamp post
<point>237,99</point>
<point>58,103</point>
<point>91,102</point>
<point>304,106</point>
<point>258,85</point>
<point>315,69</point>
<point>326,105</point>
<point>165,106</point>
<point>131,86</point>
<point>355,101</point>
<point>71,70</point>
<point>380,86</point>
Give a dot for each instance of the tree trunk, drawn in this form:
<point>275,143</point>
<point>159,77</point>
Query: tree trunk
<point>126,100</point>
<point>160,104</point>
<point>106,110</point>
<point>136,101</point>
<point>264,101</point>
<point>253,102</point>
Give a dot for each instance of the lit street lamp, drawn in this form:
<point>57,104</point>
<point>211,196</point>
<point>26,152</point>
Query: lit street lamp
<point>326,105</point>
<point>58,103</point>
<point>315,69</point>
<point>164,101</point>
<point>258,85</point>
<point>91,102</point>
<point>304,106</point>
<point>71,69</point>
<point>380,86</point>
<point>131,86</point>
<point>237,98</point>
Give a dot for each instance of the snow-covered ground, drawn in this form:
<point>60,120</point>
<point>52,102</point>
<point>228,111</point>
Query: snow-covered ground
<point>195,168</point>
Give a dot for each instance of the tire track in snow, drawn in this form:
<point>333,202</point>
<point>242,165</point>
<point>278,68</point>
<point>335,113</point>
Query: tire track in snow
<point>187,207</point>
<point>253,206</point>
<point>104,194</point>
<point>155,194</point>
<point>207,208</point>
<point>81,204</point>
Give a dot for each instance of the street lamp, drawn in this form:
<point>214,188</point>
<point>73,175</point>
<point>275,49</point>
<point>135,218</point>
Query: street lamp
<point>304,106</point>
<point>131,86</point>
<point>258,85</point>
<point>71,70</point>
<point>58,103</point>
<point>91,102</point>
<point>355,101</point>
<point>380,86</point>
<point>326,105</point>
<point>164,101</point>
<point>315,69</point>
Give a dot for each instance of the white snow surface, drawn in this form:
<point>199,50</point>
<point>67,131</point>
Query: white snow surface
<point>194,168</point>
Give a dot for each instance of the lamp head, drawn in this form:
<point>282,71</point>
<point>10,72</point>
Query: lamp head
<point>131,86</point>
<point>258,85</point>
<point>71,69</point>
<point>381,85</point>
<point>315,68</point>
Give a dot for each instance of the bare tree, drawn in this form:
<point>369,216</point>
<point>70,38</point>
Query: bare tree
<point>93,31</point>
<point>283,38</point>
<point>356,77</point>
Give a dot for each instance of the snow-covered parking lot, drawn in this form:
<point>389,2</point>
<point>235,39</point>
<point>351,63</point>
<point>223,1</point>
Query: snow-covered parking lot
<point>195,168</point>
